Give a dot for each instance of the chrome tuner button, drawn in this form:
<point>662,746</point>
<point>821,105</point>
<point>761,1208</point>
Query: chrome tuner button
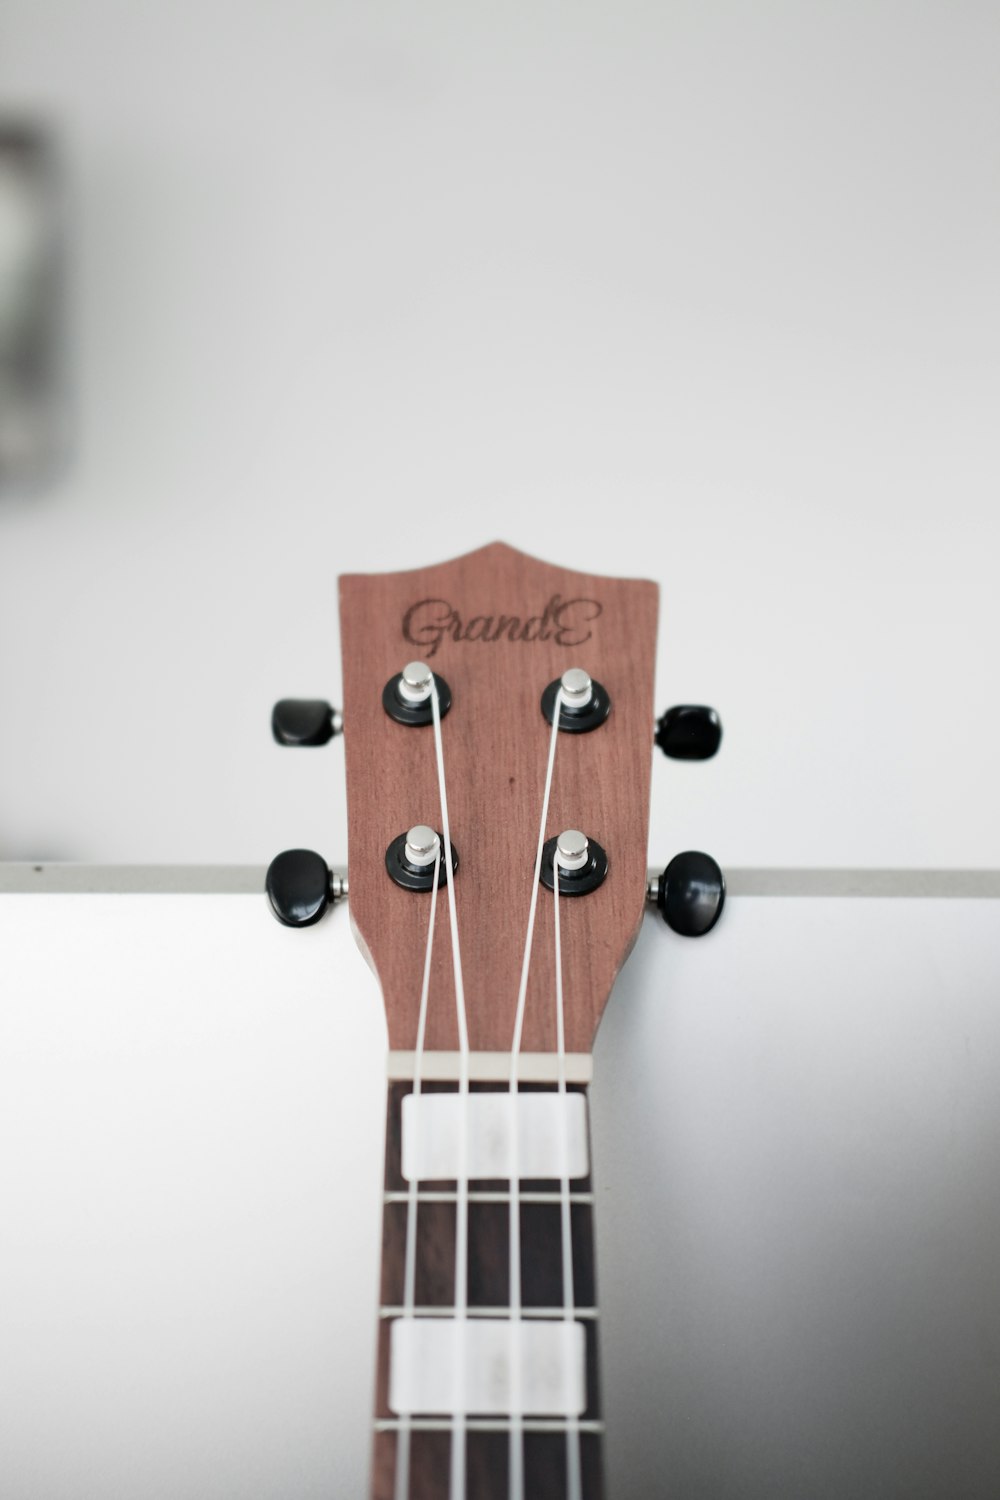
<point>572,849</point>
<point>421,846</point>
<point>577,688</point>
<point>410,858</point>
<point>582,863</point>
<point>415,682</point>
<point>407,696</point>
<point>583,703</point>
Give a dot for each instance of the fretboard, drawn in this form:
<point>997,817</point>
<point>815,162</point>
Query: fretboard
<point>553,1446</point>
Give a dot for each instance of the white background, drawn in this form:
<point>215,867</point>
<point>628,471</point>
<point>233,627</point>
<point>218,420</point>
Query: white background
<point>702,292</point>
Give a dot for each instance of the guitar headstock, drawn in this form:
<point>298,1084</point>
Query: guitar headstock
<point>497,628</point>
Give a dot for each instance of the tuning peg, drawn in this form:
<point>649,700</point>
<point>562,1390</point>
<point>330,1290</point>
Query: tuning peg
<point>300,886</point>
<point>690,894</point>
<point>689,731</point>
<point>305,721</point>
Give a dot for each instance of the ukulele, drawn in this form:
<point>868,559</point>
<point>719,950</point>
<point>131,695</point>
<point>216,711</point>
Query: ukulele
<point>498,716</point>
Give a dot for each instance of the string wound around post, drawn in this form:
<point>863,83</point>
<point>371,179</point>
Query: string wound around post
<point>406,697</point>
<point>584,702</point>
<point>583,864</point>
<point>411,857</point>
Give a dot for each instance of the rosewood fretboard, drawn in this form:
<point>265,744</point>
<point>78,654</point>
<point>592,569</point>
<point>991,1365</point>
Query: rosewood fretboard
<point>542,1295</point>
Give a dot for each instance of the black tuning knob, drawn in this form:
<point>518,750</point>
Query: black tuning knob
<point>299,887</point>
<point>689,731</point>
<point>305,721</point>
<point>691,893</point>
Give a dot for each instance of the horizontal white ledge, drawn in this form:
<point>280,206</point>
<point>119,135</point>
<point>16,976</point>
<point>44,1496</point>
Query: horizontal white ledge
<point>238,880</point>
<point>959,885</point>
<point>132,880</point>
<point>446,1367</point>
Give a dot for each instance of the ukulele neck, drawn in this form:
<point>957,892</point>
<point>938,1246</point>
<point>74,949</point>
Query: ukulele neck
<point>502,1359</point>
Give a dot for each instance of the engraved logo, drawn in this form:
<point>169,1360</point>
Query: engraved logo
<point>568,622</point>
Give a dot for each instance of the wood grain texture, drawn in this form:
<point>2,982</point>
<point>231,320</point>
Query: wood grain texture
<point>492,630</point>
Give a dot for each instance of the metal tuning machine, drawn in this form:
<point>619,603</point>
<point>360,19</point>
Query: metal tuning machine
<point>305,721</point>
<point>691,892</point>
<point>689,731</point>
<point>301,886</point>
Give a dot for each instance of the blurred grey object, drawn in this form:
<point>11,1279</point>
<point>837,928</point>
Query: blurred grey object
<point>30,254</point>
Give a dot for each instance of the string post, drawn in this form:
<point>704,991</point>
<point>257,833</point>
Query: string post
<point>581,863</point>
<point>415,681</point>
<point>415,860</point>
<point>577,688</point>
<point>572,850</point>
<point>407,696</point>
<point>421,846</point>
<point>583,703</point>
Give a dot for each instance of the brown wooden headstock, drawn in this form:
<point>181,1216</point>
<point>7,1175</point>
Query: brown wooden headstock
<point>498,626</point>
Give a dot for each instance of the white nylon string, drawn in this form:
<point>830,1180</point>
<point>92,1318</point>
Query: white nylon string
<point>402,1490</point>
<point>515,1485</point>
<point>574,1479</point>
<point>457,1487</point>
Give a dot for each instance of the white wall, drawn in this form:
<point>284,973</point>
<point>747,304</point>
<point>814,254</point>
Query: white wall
<point>706,292</point>
<point>796,1128</point>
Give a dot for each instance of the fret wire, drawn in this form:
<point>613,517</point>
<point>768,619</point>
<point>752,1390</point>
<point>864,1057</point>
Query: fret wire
<point>475,1195</point>
<point>489,1424</point>
<point>483,1424</point>
<point>555,1314</point>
